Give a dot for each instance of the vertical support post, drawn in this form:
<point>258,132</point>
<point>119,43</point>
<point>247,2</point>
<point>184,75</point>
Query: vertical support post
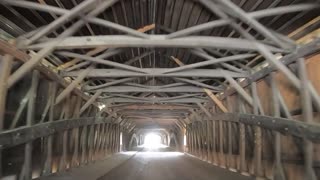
<point>75,157</point>
<point>307,113</point>
<point>90,142</point>
<point>258,133</point>
<point>208,140</point>
<point>96,136</point>
<point>203,138</point>
<point>189,137</point>
<point>199,140</point>
<point>194,146</point>
<point>118,137</point>
<point>242,144</point>
<point>48,164</point>
<point>5,69</point>
<point>229,140</point>
<point>103,140</point>
<point>221,136</point>
<point>278,170</point>
<point>26,172</point>
<point>83,147</point>
<point>214,148</point>
<point>196,140</point>
<point>107,143</point>
<point>63,161</point>
<point>104,137</point>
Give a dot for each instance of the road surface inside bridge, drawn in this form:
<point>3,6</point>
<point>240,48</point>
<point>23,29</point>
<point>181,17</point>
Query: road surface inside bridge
<point>156,165</point>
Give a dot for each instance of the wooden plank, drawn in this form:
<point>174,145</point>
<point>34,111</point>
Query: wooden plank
<point>216,100</point>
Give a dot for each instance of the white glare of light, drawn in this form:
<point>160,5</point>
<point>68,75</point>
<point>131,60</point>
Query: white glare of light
<point>101,106</point>
<point>152,141</point>
<point>120,138</point>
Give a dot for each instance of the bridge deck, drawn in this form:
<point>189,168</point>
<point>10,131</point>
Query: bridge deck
<point>169,166</point>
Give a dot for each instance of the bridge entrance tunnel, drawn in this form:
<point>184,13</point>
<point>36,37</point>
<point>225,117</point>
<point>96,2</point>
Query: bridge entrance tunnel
<point>234,83</point>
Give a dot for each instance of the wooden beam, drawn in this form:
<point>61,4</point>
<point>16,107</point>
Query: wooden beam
<point>161,41</point>
<point>216,100</point>
<point>177,61</point>
<point>154,107</point>
<point>99,49</point>
<point>5,69</point>
<point>90,101</point>
<point>210,94</point>
<point>6,64</point>
<point>26,172</point>
<point>147,28</point>
<point>76,60</point>
<point>48,73</point>
<point>73,84</point>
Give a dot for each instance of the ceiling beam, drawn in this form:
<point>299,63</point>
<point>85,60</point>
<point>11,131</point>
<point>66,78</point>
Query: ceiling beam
<point>209,61</point>
<point>101,61</point>
<point>153,107</point>
<point>153,41</point>
<point>73,84</point>
<point>216,101</point>
<point>199,84</point>
<point>127,89</point>
<point>154,100</point>
<point>155,72</point>
<point>88,88</point>
<point>45,50</point>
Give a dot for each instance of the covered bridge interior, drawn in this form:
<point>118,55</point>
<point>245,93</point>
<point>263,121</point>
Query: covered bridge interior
<point>234,83</point>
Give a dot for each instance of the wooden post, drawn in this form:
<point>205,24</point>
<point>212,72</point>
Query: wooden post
<point>229,140</point>
<point>214,143</point>
<point>278,172</point>
<point>63,160</point>
<point>26,172</point>
<point>83,147</point>
<point>221,136</point>
<point>5,69</point>
<point>208,140</point>
<point>75,157</point>
<point>258,133</point>
<point>307,113</point>
<point>107,143</point>
<point>242,140</point>
<point>48,164</point>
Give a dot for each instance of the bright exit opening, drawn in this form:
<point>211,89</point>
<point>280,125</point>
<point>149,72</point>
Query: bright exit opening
<point>152,141</point>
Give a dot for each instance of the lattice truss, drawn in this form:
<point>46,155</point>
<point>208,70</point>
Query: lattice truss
<point>156,60</point>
